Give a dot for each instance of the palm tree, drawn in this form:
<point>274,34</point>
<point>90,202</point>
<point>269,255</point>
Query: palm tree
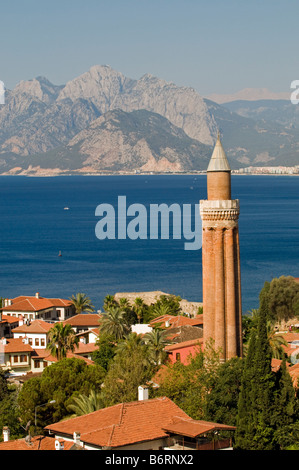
<point>82,405</point>
<point>131,342</point>
<point>113,323</point>
<point>61,339</point>
<point>138,307</point>
<point>82,303</point>
<point>276,342</point>
<point>109,302</point>
<point>160,309</point>
<point>156,341</point>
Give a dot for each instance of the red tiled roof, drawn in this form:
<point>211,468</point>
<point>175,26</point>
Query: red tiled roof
<point>15,345</point>
<point>123,424</point>
<point>37,326</point>
<point>84,319</point>
<point>289,337</point>
<point>184,344</point>
<point>9,319</point>
<point>130,423</point>
<point>36,443</point>
<point>192,428</point>
<point>83,348</point>
<point>50,358</point>
<point>177,320</point>
<point>34,304</point>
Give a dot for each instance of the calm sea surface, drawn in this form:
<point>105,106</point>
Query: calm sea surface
<point>35,227</point>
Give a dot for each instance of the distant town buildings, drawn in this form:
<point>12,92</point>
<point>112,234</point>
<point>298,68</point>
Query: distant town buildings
<point>268,170</point>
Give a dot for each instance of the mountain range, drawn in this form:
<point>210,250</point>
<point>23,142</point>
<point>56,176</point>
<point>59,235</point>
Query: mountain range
<point>103,121</point>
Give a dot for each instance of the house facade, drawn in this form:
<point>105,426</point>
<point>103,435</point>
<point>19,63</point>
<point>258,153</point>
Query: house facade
<point>183,351</point>
<point>30,308</point>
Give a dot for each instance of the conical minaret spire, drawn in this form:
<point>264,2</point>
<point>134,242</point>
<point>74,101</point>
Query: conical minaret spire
<point>219,174</point>
<point>218,160</point>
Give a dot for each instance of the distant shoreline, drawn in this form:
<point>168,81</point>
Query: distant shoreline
<point>145,174</point>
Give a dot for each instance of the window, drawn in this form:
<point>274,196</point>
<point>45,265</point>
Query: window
<point>16,358</point>
<point>36,363</point>
<point>23,358</point>
<point>177,356</point>
<point>36,342</point>
<point>42,342</point>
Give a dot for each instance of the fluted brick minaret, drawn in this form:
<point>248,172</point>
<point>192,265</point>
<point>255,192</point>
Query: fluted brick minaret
<point>222,311</point>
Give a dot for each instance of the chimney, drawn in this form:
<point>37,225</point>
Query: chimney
<point>59,444</point>
<point>3,340</point>
<point>76,437</point>
<point>9,302</point>
<point>6,433</point>
<point>142,393</point>
<point>37,295</point>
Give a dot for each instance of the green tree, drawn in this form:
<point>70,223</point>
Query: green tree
<point>61,340</point>
<point>156,341</point>
<point>3,385</point>
<point>83,404</point>
<point>128,370</point>
<point>113,323</point>
<point>285,413</point>
<point>105,352</point>
<point>188,385</point>
<point>249,321</point>
<point>132,342</point>
<point>276,342</point>
<point>109,302</point>
<point>138,308</point>
<point>166,305</point>
<point>9,415</point>
<point>279,299</point>
<point>222,400</point>
<point>58,382</point>
<point>256,401</point>
<point>82,303</point>
<point>130,316</point>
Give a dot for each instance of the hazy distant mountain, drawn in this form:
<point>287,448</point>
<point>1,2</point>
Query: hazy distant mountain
<point>249,94</point>
<point>283,112</point>
<point>63,127</point>
<point>121,141</point>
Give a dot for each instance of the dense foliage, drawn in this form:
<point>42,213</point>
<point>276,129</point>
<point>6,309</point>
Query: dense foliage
<point>242,392</point>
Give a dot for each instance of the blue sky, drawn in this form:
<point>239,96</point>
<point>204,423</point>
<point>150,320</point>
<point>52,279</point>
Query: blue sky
<point>214,46</point>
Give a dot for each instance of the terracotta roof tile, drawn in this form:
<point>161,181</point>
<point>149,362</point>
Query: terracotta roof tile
<point>34,304</point>
<point>184,344</point>
<point>123,424</point>
<point>15,345</point>
<point>130,423</point>
<point>37,326</point>
<point>36,443</point>
<point>84,319</point>
<point>193,428</point>
<point>177,320</point>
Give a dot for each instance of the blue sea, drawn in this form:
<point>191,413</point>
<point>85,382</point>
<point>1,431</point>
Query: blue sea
<point>35,227</point>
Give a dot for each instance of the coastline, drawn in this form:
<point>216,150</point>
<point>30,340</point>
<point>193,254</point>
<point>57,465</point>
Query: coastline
<point>201,173</point>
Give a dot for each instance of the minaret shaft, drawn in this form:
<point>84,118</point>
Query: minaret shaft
<point>222,317</point>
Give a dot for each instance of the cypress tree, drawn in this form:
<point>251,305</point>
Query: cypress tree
<point>286,407</point>
<point>255,407</point>
<point>264,388</point>
<point>244,433</point>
